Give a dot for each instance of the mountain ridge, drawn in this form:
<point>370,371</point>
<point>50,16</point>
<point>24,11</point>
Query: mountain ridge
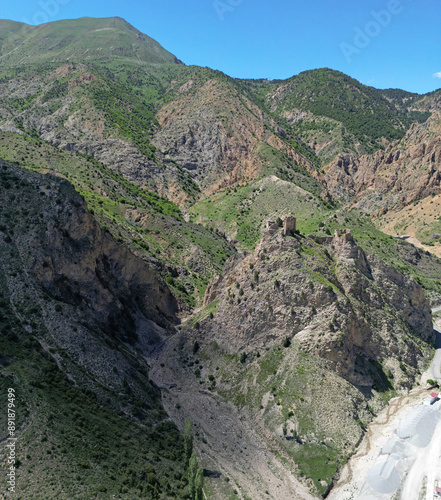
<point>84,43</point>
<point>187,298</point>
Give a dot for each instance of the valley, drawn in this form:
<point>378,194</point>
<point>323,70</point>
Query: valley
<point>205,289</point>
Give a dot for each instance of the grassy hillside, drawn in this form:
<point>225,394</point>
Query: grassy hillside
<point>339,97</point>
<point>72,445</point>
<point>242,212</point>
<point>80,40</point>
<point>187,255</point>
<point>331,100</point>
<point>424,267</point>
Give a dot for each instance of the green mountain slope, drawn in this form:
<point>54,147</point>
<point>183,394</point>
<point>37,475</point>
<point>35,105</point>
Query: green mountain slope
<point>187,255</point>
<point>80,40</point>
<point>177,171</point>
<point>76,312</point>
<point>324,100</point>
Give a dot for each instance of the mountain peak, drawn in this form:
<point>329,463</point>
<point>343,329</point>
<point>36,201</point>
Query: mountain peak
<point>85,39</point>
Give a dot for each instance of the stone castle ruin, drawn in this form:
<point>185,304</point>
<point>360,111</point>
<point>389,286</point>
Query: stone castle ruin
<point>340,236</point>
<point>344,235</point>
<point>289,229</point>
<point>289,226</point>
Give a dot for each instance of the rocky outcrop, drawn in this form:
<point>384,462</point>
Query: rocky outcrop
<point>207,135</point>
<point>341,303</point>
<point>217,134</point>
<point>402,173</point>
<point>77,312</point>
<point>80,264</point>
<point>306,336</point>
<point>90,290</point>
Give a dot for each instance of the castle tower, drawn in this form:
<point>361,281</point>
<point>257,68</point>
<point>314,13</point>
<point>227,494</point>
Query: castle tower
<point>289,226</point>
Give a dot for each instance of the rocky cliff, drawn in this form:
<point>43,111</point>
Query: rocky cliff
<point>307,336</point>
<point>75,309</point>
<point>339,302</point>
<point>399,175</point>
<point>219,135</point>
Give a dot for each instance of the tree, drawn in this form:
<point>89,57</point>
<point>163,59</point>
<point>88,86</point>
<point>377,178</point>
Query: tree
<point>195,479</point>
<point>192,472</point>
<point>199,484</point>
<point>196,347</point>
<point>188,440</point>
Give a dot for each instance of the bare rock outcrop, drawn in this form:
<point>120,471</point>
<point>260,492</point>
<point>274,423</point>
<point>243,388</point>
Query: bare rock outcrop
<point>91,293</point>
<point>404,172</point>
<point>340,302</point>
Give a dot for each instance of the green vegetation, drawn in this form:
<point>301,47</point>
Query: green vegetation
<point>207,312</point>
<point>101,39</point>
<point>160,232</point>
<point>74,443</point>
<point>424,269</point>
<point>296,382</point>
<point>362,110</point>
<point>117,439</point>
<point>242,212</point>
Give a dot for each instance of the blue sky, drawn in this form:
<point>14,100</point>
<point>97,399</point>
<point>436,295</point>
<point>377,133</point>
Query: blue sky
<point>383,43</point>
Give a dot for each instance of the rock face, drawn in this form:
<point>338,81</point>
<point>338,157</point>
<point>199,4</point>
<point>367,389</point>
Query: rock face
<point>306,336</point>
<point>404,172</point>
<point>76,311</point>
<point>59,251</point>
<point>339,302</point>
<point>80,264</point>
<point>212,131</point>
<point>206,137</point>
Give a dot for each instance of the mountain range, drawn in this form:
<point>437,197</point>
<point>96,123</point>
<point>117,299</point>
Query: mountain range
<point>155,315</point>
